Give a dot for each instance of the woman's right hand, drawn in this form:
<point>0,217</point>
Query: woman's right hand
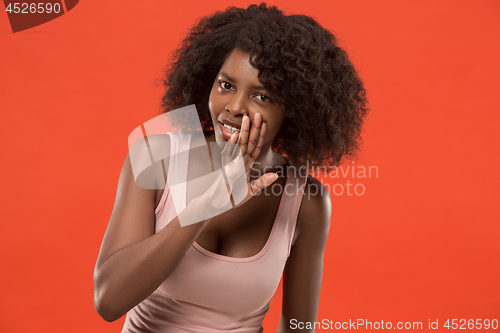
<point>250,142</point>
<point>238,156</point>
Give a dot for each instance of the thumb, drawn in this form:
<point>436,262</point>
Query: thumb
<point>263,181</point>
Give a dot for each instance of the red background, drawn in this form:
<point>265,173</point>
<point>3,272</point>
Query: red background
<point>420,244</point>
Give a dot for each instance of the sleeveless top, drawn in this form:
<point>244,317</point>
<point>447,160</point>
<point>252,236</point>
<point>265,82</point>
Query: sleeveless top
<point>209,292</point>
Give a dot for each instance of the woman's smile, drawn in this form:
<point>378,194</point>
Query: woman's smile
<point>228,127</point>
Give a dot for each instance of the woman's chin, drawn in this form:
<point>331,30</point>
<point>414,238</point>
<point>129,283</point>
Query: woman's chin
<point>215,137</point>
<point>220,138</point>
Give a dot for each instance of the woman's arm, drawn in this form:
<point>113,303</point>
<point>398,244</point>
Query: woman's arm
<point>304,268</point>
<point>133,260</point>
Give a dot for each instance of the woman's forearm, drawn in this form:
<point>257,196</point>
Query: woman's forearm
<point>131,274</point>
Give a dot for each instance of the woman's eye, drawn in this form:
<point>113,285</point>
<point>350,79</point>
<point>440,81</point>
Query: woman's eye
<point>225,85</point>
<point>263,98</point>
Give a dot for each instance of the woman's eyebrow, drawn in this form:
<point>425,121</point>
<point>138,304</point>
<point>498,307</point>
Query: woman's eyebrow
<point>226,76</point>
<point>233,80</point>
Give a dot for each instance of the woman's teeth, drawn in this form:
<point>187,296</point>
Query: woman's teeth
<point>231,128</point>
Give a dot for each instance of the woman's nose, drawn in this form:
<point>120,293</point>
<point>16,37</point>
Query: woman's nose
<point>236,105</point>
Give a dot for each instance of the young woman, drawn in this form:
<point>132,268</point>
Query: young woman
<point>282,90</point>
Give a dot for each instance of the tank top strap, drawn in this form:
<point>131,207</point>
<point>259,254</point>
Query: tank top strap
<point>293,193</point>
<point>178,167</point>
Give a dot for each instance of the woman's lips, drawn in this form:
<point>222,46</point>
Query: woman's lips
<point>230,123</point>
<point>226,134</point>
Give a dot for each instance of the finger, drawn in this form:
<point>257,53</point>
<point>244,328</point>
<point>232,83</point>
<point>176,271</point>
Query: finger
<point>248,161</point>
<point>233,138</point>
<point>228,150</point>
<point>244,134</point>
<point>255,153</point>
<point>263,182</point>
<point>254,133</point>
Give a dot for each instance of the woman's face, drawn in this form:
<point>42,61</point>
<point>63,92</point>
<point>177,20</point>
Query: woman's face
<point>237,91</point>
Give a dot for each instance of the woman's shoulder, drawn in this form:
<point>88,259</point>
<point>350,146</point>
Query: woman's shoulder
<point>315,210</point>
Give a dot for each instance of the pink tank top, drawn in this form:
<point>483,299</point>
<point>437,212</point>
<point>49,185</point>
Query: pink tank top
<point>209,292</point>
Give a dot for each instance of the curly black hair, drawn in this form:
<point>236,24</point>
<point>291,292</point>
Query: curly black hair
<point>302,68</point>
